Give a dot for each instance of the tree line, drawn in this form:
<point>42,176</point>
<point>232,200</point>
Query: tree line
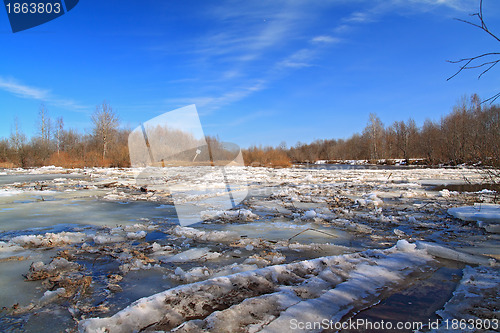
<point>469,134</point>
<point>53,144</point>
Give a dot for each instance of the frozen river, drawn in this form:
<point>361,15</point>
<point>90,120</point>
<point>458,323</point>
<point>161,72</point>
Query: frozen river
<point>83,244</point>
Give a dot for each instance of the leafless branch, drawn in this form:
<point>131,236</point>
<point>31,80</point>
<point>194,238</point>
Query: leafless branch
<point>492,98</point>
<point>470,60</point>
<point>479,61</point>
<point>481,20</point>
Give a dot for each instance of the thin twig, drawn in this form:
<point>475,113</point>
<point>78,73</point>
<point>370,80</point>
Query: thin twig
<point>323,232</point>
<point>470,61</point>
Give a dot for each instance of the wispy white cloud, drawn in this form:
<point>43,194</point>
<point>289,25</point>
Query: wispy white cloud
<point>237,121</point>
<point>458,5</point>
<point>43,95</point>
<point>232,50</point>
<point>422,6</point>
<point>24,91</point>
<point>326,39</point>
<point>231,74</point>
<point>300,59</point>
<point>375,10</point>
<point>359,17</point>
<point>259,42</point>
<point>255,28</point>
<point>68,104</point>
<point>208,104</point>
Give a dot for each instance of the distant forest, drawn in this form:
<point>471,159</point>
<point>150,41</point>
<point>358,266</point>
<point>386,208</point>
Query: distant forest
<point>470,134</point>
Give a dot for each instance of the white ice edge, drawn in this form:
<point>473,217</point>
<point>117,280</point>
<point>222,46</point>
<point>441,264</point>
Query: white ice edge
<point>479,212</point>
<point>370,271</point>
<point>448,253</point>
<point>469,302</point>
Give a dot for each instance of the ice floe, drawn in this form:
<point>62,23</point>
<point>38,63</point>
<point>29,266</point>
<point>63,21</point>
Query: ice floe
<point>327,287</point>
<point>474,304</point>
<point>296,247</point>
<point>487,215</point>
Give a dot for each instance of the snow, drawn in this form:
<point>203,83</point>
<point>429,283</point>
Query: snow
<point>134,265</point>
<point>8,193</point>
<point>476,299</point>
<point>49,296</point>
<point>447,253</point>
<point>9,248</point>
<point>194,274</point>
<point>405,246</point>
<point>486,215</point>
<point>155,247</point>
<point>486,191</point>
<point>139,227</point>
<point>370,200</point>
<point>108,238</point>
<point>251,267</point>
<point>310,214</point>
<point>229,215</point>
<point>337,285</point>
<point>136,235</point>
<point>214,236</point>
<point>479,212</point>
<point>447,193</point>
<point>192,255</point>
<point>49,239</point>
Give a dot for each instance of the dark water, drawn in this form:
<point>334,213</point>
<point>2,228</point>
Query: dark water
<point>467,187</point>
<point>416,303</point>
<point>355,167</point>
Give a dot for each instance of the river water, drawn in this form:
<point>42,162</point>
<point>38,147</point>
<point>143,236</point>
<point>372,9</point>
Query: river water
<point>109,227</point>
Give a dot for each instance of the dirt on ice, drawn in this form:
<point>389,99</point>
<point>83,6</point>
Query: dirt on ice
<point>306,250</point>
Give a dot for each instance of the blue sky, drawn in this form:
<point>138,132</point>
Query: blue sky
<point>259,72</point>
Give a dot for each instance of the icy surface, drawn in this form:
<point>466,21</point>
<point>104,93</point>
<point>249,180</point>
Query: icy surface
<point>86,243</point>
<point>478,212</point>
<point>310,290</point>
<point>487,215</point>
<point>476,300</point>
<point>213,236</point>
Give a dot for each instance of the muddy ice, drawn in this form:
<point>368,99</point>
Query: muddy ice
<point>99,251</point>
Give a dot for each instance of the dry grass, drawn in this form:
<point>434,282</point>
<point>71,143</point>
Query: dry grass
<point>269,157</point>
<point>7,165</point>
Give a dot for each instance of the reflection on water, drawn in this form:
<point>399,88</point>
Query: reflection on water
<point>417,302</point>
<point>467,187</point>
<point>126,268</point>
<point>41,209</point>
<point>30,178</point>
<point>356,166</point>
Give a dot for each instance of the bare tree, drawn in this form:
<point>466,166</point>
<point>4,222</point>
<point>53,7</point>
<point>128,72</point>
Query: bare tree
<point>374,131</point>
<point>17,142</point>
<point>431,144</point>
<point>58,134</point>
<point>105,125</point>
<point>484,62</point>
<point>399,128</point>
<point>44,125</point>
<point>17,137</point>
